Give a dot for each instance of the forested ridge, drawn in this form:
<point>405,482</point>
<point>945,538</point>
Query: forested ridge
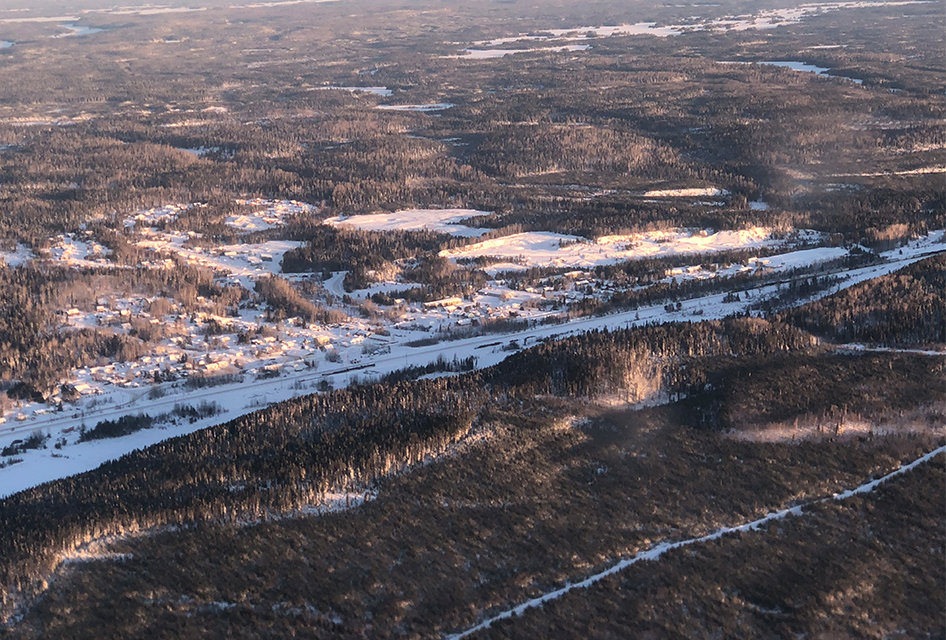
<point>287,455</point>
<point>901,309</point>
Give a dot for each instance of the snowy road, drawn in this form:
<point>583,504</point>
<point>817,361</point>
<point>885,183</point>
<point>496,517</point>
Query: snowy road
<point>654,553</point>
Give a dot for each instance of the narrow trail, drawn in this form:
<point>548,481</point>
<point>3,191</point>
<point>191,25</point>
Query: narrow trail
<point>654,553</point>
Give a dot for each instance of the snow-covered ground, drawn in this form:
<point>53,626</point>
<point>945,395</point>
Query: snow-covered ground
<point>242,263</point>
<point>545,249</point>
<point>654,553</point>
<point>422,108</point>
<point>441,220</point>
<point>197,152</point>
<point>584,33</point>
<point>17,257</point>
<point>77,30</point>
<point>906,172</point>
<point>690,192</point>
<point>779,262</point>
<point>294,358</point>
<point>158,215</point>
<point>490,54</point>
<point>269,214</point>
<point>384,92</point>
<point>78,253</point>
<point>802,67</point>
<point>764,19</point>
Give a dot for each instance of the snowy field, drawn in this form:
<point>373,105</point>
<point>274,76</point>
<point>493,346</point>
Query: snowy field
<point>384,92</point>
<point>440,220</point>
<point>490,54</point>
<point>269,214</point>
<point>421,108</point>
<point>545,249</point>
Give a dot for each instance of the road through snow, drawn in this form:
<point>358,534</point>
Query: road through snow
<point>654,553</point>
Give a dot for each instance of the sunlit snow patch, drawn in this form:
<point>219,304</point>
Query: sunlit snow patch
<point>696,192</point>
<point>275,213</point>
<point>544,249</point>
<point>436,106</point>
<point>440,220</point>
<point>384,92</point>
<point>488,54</point>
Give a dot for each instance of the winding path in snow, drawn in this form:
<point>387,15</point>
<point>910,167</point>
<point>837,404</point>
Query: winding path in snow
<point>654,553</point>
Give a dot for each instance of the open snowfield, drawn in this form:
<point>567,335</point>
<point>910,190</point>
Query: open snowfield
<point>585,33</point>
<point>420,108</point>
<point>21,255</point>
<point>544,249</point>
<point>78,253</point>
<point>241,262</point>
<point>384,92</point>
<point>778,262</point>
<point>269,214</point>
<point>489,54</point>
<point>42,465</point>
<point>440,220</point>
<point>691,192</point>
<point>158,215</point>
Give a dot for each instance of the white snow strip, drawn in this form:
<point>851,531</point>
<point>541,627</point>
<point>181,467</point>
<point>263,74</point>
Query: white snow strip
<point>654,553</point>
<point>15,258</point>
<point>423,108</point>
<point>384,92</point>
<point>584,33</point>
<point>907,172</point>
<point>441,220</point>
<point>271,214</point>
<point>694,192</point>
<point>100,402</point>
<point>489,54</point>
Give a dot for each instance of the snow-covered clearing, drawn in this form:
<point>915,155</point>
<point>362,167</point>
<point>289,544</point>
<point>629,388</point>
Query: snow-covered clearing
<point>441,220</point>
<point>765,19</point>
<point>905,172</point>
<point>243,263</point>
<point>78,253</point>
<point>801,67</point>
<point>77,30</point>
<point>421,108</point>
<point>691,192</point>
<point>545,249</point>
<point>269,214</point>
<point>490,54</point>
<point>384,92</point>
<point>654,553</point>
<point>158,215</point>
<point>197,152</point>
<point>584,33</point>
<point>778,262</point>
